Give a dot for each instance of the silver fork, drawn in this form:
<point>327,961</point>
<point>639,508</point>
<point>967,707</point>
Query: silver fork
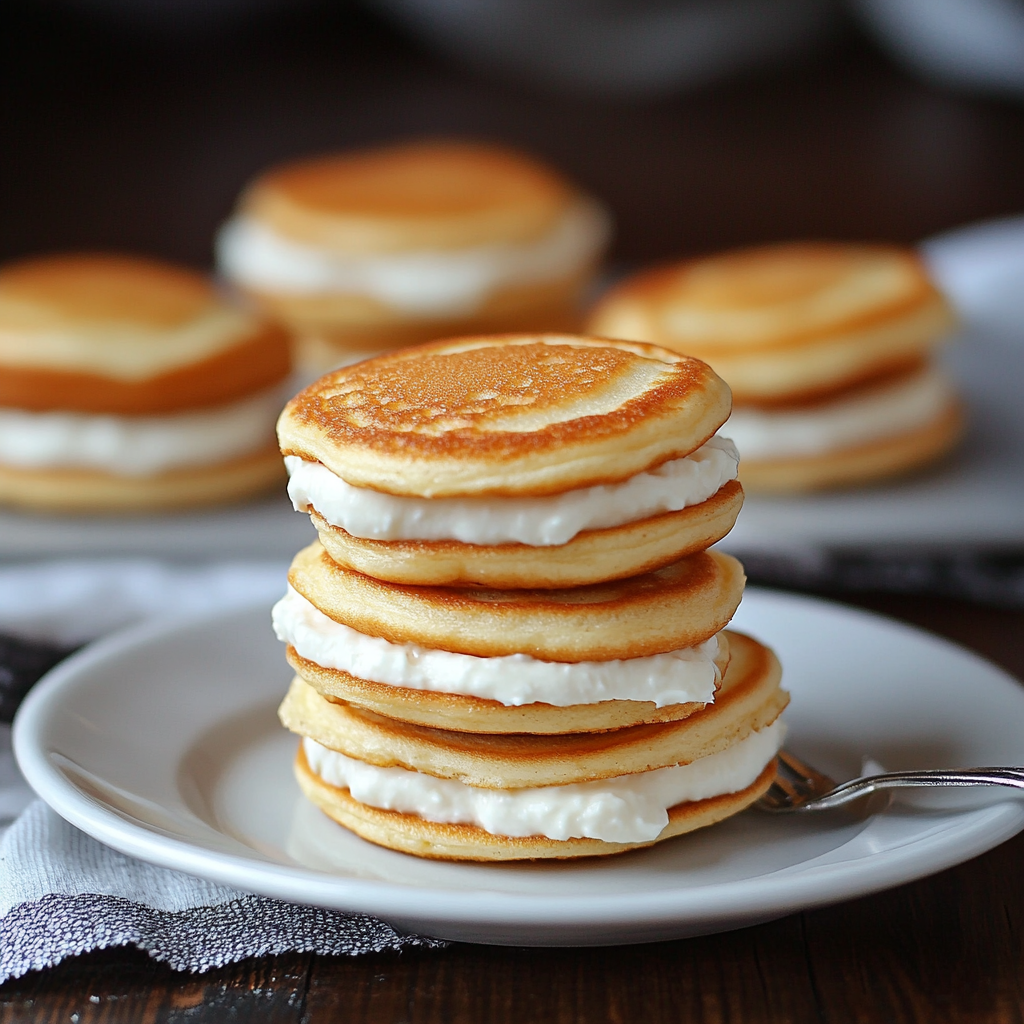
<point>799,787</point>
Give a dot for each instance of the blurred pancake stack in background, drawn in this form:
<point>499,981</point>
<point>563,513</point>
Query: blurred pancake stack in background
<point>829,350</point>
<point>368,251</point>
<point>510,641</point>
<point>131,385</point>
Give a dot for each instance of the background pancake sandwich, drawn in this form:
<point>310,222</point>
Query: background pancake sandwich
<point>473,695</point>
<point>514,461</point>
<point>131,385</point>
<point>366,251</point>
<point>828,348</point>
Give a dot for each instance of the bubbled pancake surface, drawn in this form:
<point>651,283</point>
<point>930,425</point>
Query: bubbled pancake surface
<point>89,491</point>
<point>122,335</point>
<point>475,714</point>
<point>785,320</point>
<point>428,195</point>
<point>410,833</point>
<point>861,464</point>
<point>592,556</point>
<point>679,605</point>
<point>505,415</point>
<point>749,699</point>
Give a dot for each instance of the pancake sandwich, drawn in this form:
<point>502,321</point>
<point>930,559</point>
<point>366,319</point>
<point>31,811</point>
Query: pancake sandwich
<point>131,385</point>
<point>829,350</point>
<point>540,661</point>
<point>448,794</point>
<point>471,695</point>
<point>514,461</point>
<point>366,251</point>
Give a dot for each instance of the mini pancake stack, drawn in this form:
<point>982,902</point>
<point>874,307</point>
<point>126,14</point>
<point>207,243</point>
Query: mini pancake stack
<point>130,385</point>
<point>828,349</point>
<point>509,641</point>
<point>366,251</point>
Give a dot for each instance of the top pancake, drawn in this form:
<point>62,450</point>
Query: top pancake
<point>505,415</point>
<point>118,334</point>
<point>428,195</point>
<point>788,319</point>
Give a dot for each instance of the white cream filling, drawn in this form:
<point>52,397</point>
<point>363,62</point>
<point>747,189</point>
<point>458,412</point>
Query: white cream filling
<point>676,677</point>
<point>426,283</point>
<point>539,522</point>
<point>885,412</point>
<point>626,809</point>
<point>138,445</point>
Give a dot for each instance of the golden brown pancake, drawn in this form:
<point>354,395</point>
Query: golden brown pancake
<point>90,492</point>
<point>476,714</point>
<point>782,322</point>
<point>749,700</point>
<point>679,605</point>
<point>876,460</point>
<point>430,195</point>
<point>410,833</point>
<point>106,334</point>
<point>253,365</point>
<point>101,288</point>
<point>505,416</point>
<point>592,556</point>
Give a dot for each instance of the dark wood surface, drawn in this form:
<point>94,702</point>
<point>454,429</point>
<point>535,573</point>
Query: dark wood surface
<point>111,140</point>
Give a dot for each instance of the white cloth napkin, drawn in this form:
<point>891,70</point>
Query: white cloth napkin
<point>61,892</point>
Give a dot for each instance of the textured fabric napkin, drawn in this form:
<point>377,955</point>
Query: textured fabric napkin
<point>61,892</point>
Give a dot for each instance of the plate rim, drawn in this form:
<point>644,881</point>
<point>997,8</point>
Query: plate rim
<point>762,896</point>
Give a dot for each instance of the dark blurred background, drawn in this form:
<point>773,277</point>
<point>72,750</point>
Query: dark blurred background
<point>135,128</point>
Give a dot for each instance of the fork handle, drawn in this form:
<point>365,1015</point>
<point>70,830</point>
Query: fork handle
<point>1012,778</point>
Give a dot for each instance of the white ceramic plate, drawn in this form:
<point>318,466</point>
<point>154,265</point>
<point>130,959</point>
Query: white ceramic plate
<point>976,497</point>
<point>162,742</point>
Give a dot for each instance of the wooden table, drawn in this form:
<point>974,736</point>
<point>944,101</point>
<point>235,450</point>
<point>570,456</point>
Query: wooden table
<point>142,145</point>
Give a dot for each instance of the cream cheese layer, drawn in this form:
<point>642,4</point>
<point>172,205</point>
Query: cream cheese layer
<point>138,445</point>
<point>625,809</point>
<point>874,415</point>
<point>677,677</point>
<point>440,283</point>
<point>538,522</point>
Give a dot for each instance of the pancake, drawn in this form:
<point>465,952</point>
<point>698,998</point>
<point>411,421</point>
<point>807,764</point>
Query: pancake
<point>428,195</point>
<point>120,335</point>
<point>410,833</point>
<point>677,606</point>
<point>749,699</point>
<point>371,250</point>
<point>87,492</point>
<point>505,416</point>
<point>875,460</point>
<point>788,321</point>
<point>466,713</point>
<point>592,556</point>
